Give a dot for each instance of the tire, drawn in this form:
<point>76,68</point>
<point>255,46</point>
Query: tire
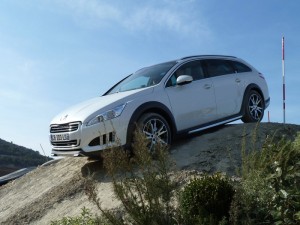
<point>156,129</point>
<point>254,107</point>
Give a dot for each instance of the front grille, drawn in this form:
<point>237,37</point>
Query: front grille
<point>67,127</point>
<point>72,143</point>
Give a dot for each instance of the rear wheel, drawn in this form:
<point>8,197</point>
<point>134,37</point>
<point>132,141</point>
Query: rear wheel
<point>156,129</point>
<point>254,107</point>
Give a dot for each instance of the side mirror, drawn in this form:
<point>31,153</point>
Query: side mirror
<point>184,79</point>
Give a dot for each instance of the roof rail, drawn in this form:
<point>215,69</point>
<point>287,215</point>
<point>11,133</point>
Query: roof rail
<point>187,57</point>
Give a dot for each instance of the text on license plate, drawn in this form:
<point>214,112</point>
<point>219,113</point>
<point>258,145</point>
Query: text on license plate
<point>60,137</point>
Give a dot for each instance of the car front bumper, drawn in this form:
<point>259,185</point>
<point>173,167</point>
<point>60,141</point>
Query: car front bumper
<point>84,140</point>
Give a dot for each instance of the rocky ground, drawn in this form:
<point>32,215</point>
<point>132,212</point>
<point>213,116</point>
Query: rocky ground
<point>53,191</point>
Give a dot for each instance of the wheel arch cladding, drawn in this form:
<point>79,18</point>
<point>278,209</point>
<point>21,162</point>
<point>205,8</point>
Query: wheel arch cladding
<point>151,107</point>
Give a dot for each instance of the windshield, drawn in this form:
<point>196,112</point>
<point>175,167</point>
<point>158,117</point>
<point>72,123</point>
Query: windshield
<point>142,78</point>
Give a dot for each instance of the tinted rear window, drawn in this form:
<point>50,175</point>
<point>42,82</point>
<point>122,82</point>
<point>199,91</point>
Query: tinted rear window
<point>218,67</point>
<point>240,67</point>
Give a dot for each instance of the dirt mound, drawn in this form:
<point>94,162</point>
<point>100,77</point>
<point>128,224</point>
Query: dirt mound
<point>56,190</point>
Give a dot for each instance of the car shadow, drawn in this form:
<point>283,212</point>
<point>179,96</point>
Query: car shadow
<point>93,167</point>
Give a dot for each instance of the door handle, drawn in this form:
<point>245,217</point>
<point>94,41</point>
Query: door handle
<point>207,86</point>
<point>237,80</point>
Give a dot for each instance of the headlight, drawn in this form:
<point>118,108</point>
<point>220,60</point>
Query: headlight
<point>108,115</point>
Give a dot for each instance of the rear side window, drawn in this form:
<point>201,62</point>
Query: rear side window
<point>218,67</point>
<point>240,67</point>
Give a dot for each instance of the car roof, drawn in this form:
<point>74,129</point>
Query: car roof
<point>206,56</point>
<point>197,57</point>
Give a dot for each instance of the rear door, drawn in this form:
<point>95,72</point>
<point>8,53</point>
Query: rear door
<point>226,87</point>
<point>192,104</point>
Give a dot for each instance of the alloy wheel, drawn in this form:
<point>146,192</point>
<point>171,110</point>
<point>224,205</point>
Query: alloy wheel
<point>256,106</point>
<point>156,132</point>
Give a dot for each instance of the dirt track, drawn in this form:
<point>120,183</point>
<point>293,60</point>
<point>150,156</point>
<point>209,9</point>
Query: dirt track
<point>57,190</point>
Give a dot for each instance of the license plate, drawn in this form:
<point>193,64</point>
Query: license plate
<point>60,137</point>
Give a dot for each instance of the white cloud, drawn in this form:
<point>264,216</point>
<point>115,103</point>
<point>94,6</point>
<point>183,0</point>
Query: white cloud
<point>175,16</point>
<point>149,18</point>
<point>92,8</point>
<point>88,13</point>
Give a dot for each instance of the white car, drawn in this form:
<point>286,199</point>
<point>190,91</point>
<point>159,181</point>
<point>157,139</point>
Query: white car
<point>164,100</point>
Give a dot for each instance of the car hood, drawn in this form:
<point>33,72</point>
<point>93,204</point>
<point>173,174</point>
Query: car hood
<point>86,109</point>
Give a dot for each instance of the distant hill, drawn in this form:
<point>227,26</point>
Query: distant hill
<point>14,157</point>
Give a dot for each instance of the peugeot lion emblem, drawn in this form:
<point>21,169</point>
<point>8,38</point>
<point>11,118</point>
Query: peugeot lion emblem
<point>64,118</point>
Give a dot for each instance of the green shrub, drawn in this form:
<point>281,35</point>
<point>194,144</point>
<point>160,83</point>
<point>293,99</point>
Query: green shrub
<point>85,218</point>
<point>206,200</point>
<point>142,184</point>
<point>270,189</point>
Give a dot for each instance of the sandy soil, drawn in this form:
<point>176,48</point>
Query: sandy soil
<point>56,190</point>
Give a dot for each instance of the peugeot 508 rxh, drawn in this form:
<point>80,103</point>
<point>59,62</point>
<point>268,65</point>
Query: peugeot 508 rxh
<point>164,100</point>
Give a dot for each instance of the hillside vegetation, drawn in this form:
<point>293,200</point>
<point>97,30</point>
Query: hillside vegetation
<point>14,157</point>
<point>58,190</point>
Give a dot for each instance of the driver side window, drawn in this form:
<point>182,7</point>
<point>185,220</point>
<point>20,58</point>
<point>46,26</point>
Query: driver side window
<point>193,69</point>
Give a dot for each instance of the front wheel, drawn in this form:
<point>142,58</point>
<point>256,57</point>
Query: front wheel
<point>156,130</point>
<point>254,107</point>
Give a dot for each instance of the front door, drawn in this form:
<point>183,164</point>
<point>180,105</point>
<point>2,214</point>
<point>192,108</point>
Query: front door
<point>193,104</point>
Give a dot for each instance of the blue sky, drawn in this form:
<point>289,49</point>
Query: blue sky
<point>55,53</point>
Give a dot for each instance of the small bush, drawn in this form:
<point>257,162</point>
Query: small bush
<point>269,192</point>
<point>142,184</point>
<point>85,218</point>
<point>206,200</point>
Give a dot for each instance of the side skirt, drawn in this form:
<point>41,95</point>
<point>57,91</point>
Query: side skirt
<point>214,125</point>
